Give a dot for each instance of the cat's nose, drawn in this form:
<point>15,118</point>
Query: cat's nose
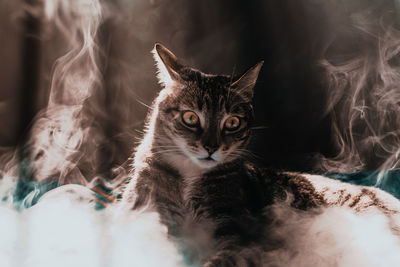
<point>210,149</point>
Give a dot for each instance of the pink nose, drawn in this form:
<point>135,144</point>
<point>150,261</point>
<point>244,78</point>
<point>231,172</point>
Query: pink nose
<point>210,149</point>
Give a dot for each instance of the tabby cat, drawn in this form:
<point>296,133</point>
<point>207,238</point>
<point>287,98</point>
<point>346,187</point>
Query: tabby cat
<point>192,167</point>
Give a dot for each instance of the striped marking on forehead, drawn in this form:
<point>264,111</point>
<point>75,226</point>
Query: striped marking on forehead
<point>213,102</point>
<point>213,110</point>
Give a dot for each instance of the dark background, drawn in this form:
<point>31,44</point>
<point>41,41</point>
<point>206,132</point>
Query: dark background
<point>221,36</point>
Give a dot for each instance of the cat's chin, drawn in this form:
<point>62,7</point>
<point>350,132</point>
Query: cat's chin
<point>189,165</point>
<point>206,163</point>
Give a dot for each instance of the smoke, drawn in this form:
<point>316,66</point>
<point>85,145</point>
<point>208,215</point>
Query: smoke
<point>63,229</point>
<point>333,237</point>
<point>59,135</point>
<point>363,77</point>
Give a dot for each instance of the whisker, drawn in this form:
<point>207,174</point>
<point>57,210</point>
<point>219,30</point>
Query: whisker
<point>230,89</point>
<point>233,73</point>
<point>166,151</point>
<point>144,104</point>
<point>245,152</point>
<point>259,128</point>
<point>164,146</point>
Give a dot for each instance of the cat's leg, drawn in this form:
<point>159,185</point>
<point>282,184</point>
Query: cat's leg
<point>236,230</point>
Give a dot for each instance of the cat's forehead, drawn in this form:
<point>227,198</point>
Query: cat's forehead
<point>208,94</point>
<point>207,83</point>
<point>203,89</point>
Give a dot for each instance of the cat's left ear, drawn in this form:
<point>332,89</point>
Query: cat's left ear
<point>168,65</point>
<point>244,85</point>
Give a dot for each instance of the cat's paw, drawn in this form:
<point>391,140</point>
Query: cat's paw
<point>239,257</point>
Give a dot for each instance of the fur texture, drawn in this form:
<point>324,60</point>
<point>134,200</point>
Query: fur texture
<point>191,168</point>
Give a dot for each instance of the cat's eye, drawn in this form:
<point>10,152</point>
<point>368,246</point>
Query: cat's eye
<point>232,123</point>
<point>190,119</point>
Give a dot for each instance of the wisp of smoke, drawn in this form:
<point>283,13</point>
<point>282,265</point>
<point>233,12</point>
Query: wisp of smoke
<point>363,93</point>
<point>60,132</point>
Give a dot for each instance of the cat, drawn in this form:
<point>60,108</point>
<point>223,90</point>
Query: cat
<point>192,167</point>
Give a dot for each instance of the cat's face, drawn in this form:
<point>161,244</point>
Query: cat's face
<point>207,121</point>
<point>205,118</point>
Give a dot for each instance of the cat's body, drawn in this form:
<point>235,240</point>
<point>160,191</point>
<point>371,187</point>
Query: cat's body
<point>191,167</point>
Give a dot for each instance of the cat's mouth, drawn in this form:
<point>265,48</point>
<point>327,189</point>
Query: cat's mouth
<point>207,162</point>
<point>209,158</point>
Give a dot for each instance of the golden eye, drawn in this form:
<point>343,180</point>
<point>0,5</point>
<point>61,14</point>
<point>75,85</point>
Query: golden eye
<point>232,123</point>
<point>190,118</point>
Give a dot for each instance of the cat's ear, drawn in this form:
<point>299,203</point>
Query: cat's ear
<point>168,65</point>
<point>244,85</point>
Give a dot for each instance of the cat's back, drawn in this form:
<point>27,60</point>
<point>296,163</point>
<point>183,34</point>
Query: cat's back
<point>337,193</point>
<point>306,191</point>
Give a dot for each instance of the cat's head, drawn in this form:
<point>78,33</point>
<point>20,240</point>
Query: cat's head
<point>202,117</point>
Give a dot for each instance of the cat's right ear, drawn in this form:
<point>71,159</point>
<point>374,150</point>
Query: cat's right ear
<point>168,65</point>
<point>244,85</point>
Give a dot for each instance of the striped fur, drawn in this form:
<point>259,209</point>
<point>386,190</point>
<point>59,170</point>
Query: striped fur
<point>220,210</point>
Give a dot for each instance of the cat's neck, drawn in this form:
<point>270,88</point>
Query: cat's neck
<point>144,149</point>
<point>181,163</point>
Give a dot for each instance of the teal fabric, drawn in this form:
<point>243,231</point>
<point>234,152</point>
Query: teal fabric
<point>388,181</point>
<point>27,193</point>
